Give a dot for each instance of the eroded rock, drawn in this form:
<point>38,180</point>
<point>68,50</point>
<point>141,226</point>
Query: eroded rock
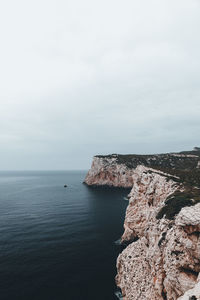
<point>164,263</point>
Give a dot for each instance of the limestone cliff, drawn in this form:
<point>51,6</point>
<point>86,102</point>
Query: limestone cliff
<point>162,223</point>
<point>163,261</point>
<point>117,170</point>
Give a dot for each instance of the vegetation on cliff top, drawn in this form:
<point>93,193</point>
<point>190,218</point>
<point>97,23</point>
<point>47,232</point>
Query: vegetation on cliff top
<point>181,167</point>
<point>174,203</point>
<point>181,161</point>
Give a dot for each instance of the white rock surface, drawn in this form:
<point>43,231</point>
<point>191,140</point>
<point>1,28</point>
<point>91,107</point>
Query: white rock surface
<point>192,293</point>
<point>189,216</point>
<point>105,171</point>
<point>164,262</point>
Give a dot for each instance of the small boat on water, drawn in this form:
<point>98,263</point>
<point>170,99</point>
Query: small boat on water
<point>65,186</point>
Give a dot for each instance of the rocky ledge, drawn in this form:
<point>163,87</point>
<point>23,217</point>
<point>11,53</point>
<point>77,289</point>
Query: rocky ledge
<point>162,223</point>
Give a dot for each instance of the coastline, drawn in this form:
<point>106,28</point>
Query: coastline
<point>151,188</point>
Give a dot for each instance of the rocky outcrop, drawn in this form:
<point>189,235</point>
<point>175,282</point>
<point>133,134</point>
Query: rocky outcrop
<point>192,294</point>
<point>117,170</point>
<point>150,190</point>
<point>163,259</point>
<point>106,171</point>
<point>162,223</point>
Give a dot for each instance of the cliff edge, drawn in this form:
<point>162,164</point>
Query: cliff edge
<point>162,223</point>
<point>117,170</point>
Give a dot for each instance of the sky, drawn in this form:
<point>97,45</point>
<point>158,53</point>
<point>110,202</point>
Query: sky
<point>80,78</point>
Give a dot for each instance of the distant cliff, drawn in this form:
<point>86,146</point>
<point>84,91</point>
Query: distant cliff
<point>117,170</point>
<point>162,223</point>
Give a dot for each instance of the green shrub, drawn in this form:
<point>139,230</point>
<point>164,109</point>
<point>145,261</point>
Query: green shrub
<point>177,201</point>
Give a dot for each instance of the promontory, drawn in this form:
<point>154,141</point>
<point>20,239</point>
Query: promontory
<point>161,260</point>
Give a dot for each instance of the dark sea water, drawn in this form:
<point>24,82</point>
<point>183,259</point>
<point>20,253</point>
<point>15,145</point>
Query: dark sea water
<point>57,243</point>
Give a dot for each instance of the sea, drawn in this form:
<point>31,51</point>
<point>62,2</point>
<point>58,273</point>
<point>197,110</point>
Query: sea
<point>58,243</point>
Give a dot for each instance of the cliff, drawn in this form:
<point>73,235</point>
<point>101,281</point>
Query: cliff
<point>162,223</point>
<point>162,260</point>
<point>107,171</point>
<point>117,170</point>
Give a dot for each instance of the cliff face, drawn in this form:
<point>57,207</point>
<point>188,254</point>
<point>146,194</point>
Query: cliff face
<point>162,223</point>
<point>117,170</point>
<point>163,261</point>
<point>106,171</point>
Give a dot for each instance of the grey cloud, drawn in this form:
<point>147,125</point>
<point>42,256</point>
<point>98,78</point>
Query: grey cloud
<point>83,77</point>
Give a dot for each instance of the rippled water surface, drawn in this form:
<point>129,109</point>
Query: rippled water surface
<point>55,242</point>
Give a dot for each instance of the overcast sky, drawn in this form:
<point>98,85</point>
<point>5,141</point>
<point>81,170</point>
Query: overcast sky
<point>80,78</point>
